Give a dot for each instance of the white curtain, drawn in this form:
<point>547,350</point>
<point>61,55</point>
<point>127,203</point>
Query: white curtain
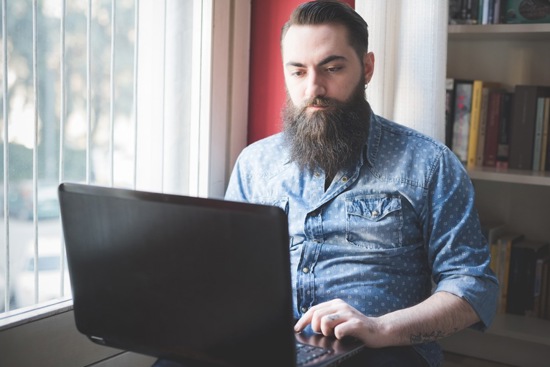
<point>409,41</point>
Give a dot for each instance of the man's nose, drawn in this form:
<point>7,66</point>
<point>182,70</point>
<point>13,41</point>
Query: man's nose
<point>315,86</point>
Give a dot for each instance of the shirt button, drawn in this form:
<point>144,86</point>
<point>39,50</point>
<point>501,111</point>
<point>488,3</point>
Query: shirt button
<point>303,309</point>
<point>344,179</point>
<point>375,213</point>
<point>305,270</point>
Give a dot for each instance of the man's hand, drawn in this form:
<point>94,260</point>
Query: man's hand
<point>440,315</point>
<point>339,319</point>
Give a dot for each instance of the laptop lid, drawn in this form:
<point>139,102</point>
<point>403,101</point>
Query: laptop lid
<point>177,277</point>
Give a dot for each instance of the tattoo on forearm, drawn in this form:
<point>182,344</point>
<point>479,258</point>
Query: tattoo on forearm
<point>428,337</point>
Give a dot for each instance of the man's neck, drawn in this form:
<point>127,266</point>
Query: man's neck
<point>328,180</point>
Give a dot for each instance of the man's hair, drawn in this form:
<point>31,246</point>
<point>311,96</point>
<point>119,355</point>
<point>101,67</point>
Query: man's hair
<point>336,12</point>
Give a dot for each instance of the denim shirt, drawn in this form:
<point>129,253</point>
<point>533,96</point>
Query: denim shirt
<point>386,233</point>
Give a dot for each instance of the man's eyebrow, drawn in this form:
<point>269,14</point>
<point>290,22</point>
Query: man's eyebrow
<point>325,61</point>
<point>332,58</point>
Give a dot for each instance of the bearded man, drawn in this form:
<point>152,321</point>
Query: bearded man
<point>385,242</point>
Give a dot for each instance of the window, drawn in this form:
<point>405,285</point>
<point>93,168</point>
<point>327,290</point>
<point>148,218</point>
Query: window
<point>115,93</point>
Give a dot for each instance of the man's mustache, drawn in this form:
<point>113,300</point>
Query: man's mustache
<point>320,102</point>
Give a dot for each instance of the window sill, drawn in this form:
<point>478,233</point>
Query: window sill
<point>46,335</point>
<point>22,316</point>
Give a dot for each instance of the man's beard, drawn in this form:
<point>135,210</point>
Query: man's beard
<point>330,139</point>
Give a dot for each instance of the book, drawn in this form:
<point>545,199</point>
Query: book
<point>475,115</point>
<point>492,231</point>
<point>492,129</point>
<point>480,151</point>
<point>545,132</point>
<point>485,10</point>
<point>461,120</point>
<point>463,11</point>
<point>522,125</point>
<point>503,146</point>
<point>476,11</point>
<point>455,11</point>
<point>541,286</point>
<point>539,127</point>
<point>490,11</point>
<point>480,90</point>
<point>502,250</point>
<point>521,283</point>
<point>497,11</point>
<point>544,302</point>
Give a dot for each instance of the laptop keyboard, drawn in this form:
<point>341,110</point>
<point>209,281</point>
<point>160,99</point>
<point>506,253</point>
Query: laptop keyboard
<point>306,353</point>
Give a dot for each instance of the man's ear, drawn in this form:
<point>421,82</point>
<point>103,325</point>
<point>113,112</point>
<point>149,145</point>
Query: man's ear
<point>368,66</point>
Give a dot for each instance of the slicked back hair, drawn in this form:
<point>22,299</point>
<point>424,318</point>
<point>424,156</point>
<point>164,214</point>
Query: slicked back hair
<point>332,12</point>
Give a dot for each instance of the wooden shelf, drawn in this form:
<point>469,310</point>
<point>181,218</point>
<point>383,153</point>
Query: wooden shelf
<point>510,176</point>
<point>529,329</point>
<point>531,32</point>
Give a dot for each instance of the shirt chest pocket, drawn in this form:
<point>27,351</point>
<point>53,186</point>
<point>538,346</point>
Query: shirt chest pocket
<point>375,221</point>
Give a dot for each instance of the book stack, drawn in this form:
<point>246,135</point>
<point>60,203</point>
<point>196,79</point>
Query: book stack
<point>528,259</point>
<point>488,126</point>
<point>529,128</point>
<point>522,267</point>
<point>498,11</point>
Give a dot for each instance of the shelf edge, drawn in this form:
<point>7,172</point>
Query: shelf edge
<point>510,176</point>
<point>507,32</point>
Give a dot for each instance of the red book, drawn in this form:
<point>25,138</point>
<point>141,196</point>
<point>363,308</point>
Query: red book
<point>492,130</point>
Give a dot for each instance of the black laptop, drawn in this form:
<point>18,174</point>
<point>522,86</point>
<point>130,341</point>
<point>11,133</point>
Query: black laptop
<point>201,281</point>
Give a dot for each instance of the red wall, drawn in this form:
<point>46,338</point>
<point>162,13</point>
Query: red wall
<point>267,89</point>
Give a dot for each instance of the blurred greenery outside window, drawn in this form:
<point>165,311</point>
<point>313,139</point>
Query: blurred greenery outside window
<point>82,101</point>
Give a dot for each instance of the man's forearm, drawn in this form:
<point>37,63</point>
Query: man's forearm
<point>439,316</point>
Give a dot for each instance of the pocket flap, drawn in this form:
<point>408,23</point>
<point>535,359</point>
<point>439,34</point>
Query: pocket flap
<point>373,207</point>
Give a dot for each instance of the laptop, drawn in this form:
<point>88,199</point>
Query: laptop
<point>201,281</point>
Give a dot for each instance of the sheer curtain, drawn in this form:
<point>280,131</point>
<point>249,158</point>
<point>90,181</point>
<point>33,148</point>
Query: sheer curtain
<point>409,41</point>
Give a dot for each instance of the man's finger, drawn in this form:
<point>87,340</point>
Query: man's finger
<point>303,321</point>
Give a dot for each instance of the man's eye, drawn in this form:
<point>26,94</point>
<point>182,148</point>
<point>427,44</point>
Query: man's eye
<point>334,69</point>
<point>297,73</point>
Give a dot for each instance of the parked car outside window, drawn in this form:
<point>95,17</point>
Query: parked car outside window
<point>49,274</point>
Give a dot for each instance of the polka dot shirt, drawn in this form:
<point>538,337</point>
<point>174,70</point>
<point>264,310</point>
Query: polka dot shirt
<point>386,233</point>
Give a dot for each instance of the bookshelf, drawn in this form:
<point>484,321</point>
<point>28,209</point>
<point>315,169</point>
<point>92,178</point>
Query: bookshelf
<point>512,54</point>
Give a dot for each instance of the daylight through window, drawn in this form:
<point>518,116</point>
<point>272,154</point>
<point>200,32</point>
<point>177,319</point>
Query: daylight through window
<point>96,92</point>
